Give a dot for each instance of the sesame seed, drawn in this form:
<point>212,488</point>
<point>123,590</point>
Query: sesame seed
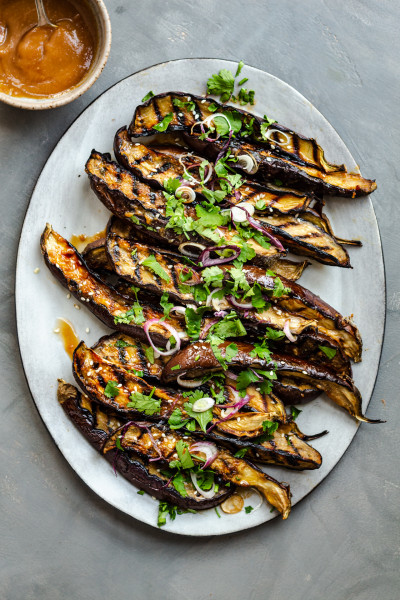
<point>180,114</point>
<point>77,307</point>
<point>304,372</point>
<point>36,271</point>
<point>88,331</point>
<point>57,330</point>
<point>68,296</point>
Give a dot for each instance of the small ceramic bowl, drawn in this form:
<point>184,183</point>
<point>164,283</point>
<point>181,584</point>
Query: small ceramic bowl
<point>103,27</point>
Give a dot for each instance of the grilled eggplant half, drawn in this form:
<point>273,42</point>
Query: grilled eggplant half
<point>277,152</point>
<point>156,164</point>
<point>157,442</point>
<point>129,199</point>
<point>68,266</point>
<point>341,390</point>
<point>97,425</point>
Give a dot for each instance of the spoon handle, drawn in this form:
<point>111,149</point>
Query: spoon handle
<point>42,16</point>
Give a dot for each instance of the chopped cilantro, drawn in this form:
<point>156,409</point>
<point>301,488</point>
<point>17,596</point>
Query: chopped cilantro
<point>140,492</point>
<point>329,352</point>
<point>123,344</point>
<point>111,390</point>
<point>175,367</point>
<point>149,352</point>
<point>221,84</point>
<point>264,126</point>
<point>185,105</point>
<point>146,404</point>
<point>294,411</point>
<point>151,263</point>
<point>239,69</point>
<point>166,305</point>
<point>176,420</point>
<point>193,320</point>
<point>248,509</point>
<point>231,351</point>
<point>179,484</point>
<point>273,334</point>
<point>135,313</point>
<point>260,204</point>
<point>269,427</point>
<point>240,453</point>
<point>162,126</point>
<point>216,510</point>
<point>171,185</point>
<point>182,450</point>
<point>118,443</point>
<point>149,95</point>
<point>279,288</point>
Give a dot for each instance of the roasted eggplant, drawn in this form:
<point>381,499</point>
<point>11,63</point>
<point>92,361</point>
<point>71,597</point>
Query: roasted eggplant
<point>97,425</point>
<point>341,390</point>
<point>127,198</point>
<point>157,442</point>
<point>69,268</point>
<point>155,165</point>
<point>278,152</point>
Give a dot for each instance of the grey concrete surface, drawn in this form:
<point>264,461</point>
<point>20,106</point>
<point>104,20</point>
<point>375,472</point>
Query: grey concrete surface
<point>60,541</point>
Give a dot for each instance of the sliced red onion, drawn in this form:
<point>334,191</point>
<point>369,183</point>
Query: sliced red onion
<point>259,377</point>
<point>234,408</point>
<point>256,225</point>
<point>207,448</point>
<point>220,314</point>
<point>288,333</point>
<point>180,310</point>
<point>243,305</point>
<point>231,375</point>
<point>224,147</point>
<point>189,383</point>
<point>209,297</point>
<point>206,261</point>
<point>206,494</point>
<point>204,332</point>
<point>247,163</point>
<point>172,331</point>
<point>155,445</point>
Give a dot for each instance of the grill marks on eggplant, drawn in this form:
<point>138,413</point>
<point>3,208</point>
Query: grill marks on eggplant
<point>68,266</point>
<point>92,373</point>
<point>296,160</point>
<point>127,259</point>
<point>305,238</point>
<point>96,425</point>
<point>232,470</point>
<point>157,164</point>
<point>341,390</point>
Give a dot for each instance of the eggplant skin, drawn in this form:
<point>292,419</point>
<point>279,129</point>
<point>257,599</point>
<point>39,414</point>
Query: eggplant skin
<point>90,420</point>
<point>341,390</point>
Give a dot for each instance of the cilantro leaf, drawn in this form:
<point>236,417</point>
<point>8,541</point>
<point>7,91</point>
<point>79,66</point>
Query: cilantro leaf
<point>146,404</point>
<point>229,327</point>
<point>261,351</point>
<point>135,313</point>
<point>279,288</point>
<point>248,509</point>
<point>269,427</point>
<point>264,126</point>
<point>185,105</point>
<point>240,453</point>
<point>149,352</point>
<point>329,352</point>
<point>176,420</point>
<point>163,125</point>
<point>231,351</point>
<point>123,344</point>
<point>151,263</point>
<point>182,450</point>
<point>193,320</point>
<point>246,378</point>
<point>111,390</point>
<point>294,411</point>
<point>202,418</point>
<point>221,84</point>
<point>148,96</point>
<point>212,275</point>
<point>273,334</point>
<point>165,304</point>
<point>179,484</point>
<point>171,185</point>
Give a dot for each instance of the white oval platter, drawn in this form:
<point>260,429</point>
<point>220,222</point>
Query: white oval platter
<point>62,197</point>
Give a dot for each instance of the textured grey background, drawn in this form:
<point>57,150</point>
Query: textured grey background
<point>60,541</point>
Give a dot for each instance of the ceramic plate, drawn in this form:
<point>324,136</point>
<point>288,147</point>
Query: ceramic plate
<point>63,198</point>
